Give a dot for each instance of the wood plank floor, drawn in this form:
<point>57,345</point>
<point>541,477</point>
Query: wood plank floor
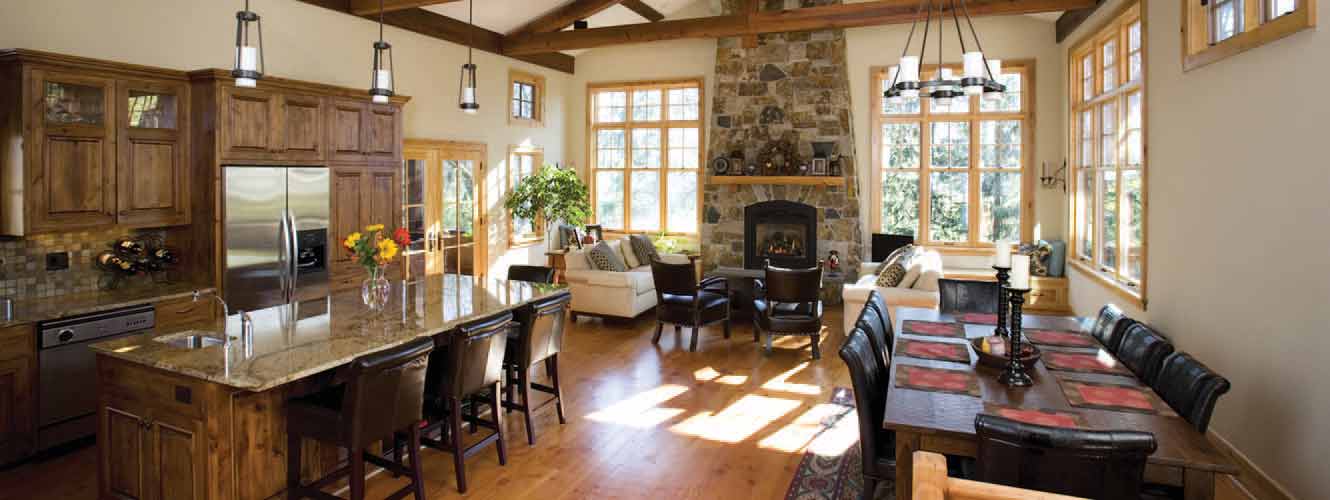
<point>644,421</point>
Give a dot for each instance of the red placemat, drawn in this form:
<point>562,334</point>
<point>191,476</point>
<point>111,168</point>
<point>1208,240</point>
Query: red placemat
<point>1114,397</point>
<point>933,328</point>
<point>937,380</point>
<point>934,350</point>
<point>978,318</point>
<point>1058,338</point>
<point>1100,362</point>
<point>1039,416</point>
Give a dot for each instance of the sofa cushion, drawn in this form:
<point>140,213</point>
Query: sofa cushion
<point>901,255</point>
<point>891,275</point>
<point>645,250</point>
<point>629,256</point>
<point>930,270</point>
<point>605,258</point>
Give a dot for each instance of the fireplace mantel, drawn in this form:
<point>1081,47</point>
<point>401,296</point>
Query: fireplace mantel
<point>734,181</point>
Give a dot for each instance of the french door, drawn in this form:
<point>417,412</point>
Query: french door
<point>442,204</point>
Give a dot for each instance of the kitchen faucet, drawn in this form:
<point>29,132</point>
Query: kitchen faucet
<point>246,323</point>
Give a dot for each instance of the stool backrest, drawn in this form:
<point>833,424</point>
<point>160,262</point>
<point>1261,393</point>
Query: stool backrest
<point>385,391</point>
<point>793,285</point>
<point>475,355</point>
<point>541,335</point>
<point>536,274</point>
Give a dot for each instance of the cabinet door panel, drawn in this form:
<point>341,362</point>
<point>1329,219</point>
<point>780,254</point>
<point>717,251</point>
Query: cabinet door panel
<point>151,174</point>
<point>15,408</point>
<point>152,170</point>
<point>348,130</point>
<point>384,206</point>
<point>383,141</point>
<point>122,454</point>
<point>247,129</point>
<point>75,172</point>
<point>178,458</point>
<point>303,130</point>
<point>347,206</point>
<point>71,182</point>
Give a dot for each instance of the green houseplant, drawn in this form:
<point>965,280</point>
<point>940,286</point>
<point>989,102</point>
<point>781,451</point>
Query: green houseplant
<point>553,194</point>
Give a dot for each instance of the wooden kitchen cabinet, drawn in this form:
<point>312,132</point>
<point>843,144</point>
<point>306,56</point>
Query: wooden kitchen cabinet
<point>268,125</point>
<point>361,196</point>
<point>364,131</point>
<point>177,313</point>
<point>384,134</point>
<point>151,454</point>
<point>73,161</point>
<point>18,368</point>
<point>153,174</point>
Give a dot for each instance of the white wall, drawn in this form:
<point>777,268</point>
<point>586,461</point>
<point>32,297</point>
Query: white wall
<point>303,42</point>
<point>1239,195</point>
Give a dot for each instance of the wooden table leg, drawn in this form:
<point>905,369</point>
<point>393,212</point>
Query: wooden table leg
<point>1198,484</point>
<point>906,444</point>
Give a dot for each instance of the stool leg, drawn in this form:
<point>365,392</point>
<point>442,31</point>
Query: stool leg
<point>474,412</point>
<point>293,466</point>
<point>552,369</point>
<point>455,428</point>
<point>525,380</point>
<point>393,449</point>
<point>357,478</point>
<point>692,345</point>
<point>769,336</point>
<point>413,452</point>
<point>510,386</point>
<point>498,428</point>
<point>655,339</point>
<point>817,351</point>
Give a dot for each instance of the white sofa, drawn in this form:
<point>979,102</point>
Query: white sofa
<point>856,294</point>
<point>609,293</point>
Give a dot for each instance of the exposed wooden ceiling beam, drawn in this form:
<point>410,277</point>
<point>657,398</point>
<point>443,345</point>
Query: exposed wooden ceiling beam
<point>805,19</point>
<point>367,7</point>
<point>1072,19</point>
<point>564,16</point>
<point>644,10</point>
<point>448,29</point>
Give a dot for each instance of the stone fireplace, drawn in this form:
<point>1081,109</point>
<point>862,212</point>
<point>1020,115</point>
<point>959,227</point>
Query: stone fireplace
<point>772,104</point>
<point>783,232</point>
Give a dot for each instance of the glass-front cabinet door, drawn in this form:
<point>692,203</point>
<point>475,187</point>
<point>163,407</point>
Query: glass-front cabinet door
<point>75,140</point>
<point>152,154</point>
<point>442,207</point>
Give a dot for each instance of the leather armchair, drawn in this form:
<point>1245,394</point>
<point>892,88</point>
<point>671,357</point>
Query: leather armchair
<point>1191,388</point>
<point>1143,351</point>
<point>681,300</point>
<point>792,305</point>
<point>871,382</point>
<point>1105,465</point>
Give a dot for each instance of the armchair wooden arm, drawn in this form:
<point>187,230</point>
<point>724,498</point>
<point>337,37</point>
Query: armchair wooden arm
<point>931,483</point>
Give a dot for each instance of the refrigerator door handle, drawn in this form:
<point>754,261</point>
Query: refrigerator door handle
<point>283,255</point>
<point>295,254</point>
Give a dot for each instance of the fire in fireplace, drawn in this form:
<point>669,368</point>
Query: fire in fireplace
<point>784,232</point>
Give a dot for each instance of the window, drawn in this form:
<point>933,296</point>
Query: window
<point>1108,178</point>
<point>954,173</point>
<point>526,97</point>
<point>646,150</point>
<point>523,162</point>
<point>1215,29</point>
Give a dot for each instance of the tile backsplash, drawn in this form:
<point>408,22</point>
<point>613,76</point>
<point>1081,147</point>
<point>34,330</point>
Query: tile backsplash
<point>23,273</point>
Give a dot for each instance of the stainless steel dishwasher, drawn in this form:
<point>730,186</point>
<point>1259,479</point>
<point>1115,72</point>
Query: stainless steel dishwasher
<point>67,370</point>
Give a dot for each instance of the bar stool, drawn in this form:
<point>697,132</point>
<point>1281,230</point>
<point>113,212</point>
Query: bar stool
<point>382,397</point>
<point>466,368</point>
<point>540,338</point>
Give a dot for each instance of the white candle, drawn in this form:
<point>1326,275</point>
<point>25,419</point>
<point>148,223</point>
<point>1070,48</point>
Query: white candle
<point>974,64</point>
<point>1002,256</point>
<point>249,61</point>
<point>909,71</point>
<point>1020,272</point>
<point>383,79</point>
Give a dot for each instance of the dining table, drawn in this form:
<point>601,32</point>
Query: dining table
<point>943,421</point>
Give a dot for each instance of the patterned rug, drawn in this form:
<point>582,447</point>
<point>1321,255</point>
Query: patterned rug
<point>831,466</point>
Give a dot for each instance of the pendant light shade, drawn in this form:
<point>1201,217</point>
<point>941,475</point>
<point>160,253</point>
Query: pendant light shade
<point>248,68</point>
<point>466,86</point>
<point>381,76</point>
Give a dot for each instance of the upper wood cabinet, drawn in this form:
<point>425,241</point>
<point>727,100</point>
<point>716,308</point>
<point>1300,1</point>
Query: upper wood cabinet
<point>362,131</point>
<point>361,196</point>
<point>153,173</point>
<point>260,124</point>
<point>71,160</point>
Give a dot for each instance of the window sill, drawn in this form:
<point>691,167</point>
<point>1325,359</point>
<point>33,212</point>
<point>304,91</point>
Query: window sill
<point>1131,295</point>
<point>1288,24</point>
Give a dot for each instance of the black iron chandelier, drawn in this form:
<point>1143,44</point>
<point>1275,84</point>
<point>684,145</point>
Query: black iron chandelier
<point>979,74</point>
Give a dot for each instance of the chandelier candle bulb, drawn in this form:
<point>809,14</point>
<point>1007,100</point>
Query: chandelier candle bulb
<point>382,80</point>
<point>974,65</point>
<point>909,71</point>
<point>1020,272</point>
<point>249,61</point>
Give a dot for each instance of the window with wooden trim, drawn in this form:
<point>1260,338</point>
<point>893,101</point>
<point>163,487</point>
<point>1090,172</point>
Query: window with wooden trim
<point>1215,29</point>
<point>523,162</point>
<point>955,173</point>
<point>645,143</point>
<point>526,98</point>
<point>1107,181</point>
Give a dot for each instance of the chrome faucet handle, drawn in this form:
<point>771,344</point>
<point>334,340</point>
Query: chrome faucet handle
<point>225,310</point>
<point>246,326</point>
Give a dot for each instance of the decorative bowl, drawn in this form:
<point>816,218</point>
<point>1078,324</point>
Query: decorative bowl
<point>1029,355</point>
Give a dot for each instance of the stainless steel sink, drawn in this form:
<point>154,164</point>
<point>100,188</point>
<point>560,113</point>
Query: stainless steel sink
<point>191,340</point>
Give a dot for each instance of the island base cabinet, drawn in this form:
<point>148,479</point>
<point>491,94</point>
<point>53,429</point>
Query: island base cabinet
<point>151,455</point>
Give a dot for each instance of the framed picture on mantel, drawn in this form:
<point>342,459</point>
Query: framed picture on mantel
<point>819,167</point>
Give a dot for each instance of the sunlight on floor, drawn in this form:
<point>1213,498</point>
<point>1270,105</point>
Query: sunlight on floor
<point>778,383</point>
<point>793,437</point>
<point>710,374</point>
<point>642,411</point>
<point>738,421</point>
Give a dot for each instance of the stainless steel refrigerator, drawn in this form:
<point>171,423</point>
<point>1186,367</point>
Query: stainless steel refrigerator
<point>275,235</point>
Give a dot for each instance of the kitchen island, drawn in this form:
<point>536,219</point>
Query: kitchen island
<point>182,416</point>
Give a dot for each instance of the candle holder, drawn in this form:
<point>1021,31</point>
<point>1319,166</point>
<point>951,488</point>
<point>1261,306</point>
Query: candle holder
<point>1003,274</point>
<point>1015,375</point>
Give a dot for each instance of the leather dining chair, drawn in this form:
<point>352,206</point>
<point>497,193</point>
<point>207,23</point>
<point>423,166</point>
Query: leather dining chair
<point>792,306</point>
<point>1103,465</point>
<point>871,383</point>
<point>1143,350</point>
<point>1191,388</point>
<point>1109,325</point>
<point>536,274</point>
<point>539,339</point>
<point>683,301</point>
<point>879,305</point>
<point>466,369</point>
<point>880,338</point>
<point>383,396</point>
<point>965,296</point>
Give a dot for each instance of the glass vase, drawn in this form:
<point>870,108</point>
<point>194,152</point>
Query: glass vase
<point>374,291</point>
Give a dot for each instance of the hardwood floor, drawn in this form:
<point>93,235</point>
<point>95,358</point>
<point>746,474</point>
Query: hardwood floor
<point>644,421</point>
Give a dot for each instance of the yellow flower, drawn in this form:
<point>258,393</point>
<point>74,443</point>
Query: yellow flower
<point>387,250</point>
<point>351,240</point>
<point>375,227</point>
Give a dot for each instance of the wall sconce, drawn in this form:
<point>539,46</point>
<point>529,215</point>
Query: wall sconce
<point>1058,176</point>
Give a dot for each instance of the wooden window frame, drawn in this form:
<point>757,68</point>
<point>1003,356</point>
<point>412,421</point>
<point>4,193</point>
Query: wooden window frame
<point>1255,26</point>
<point>537,162</point>
<point>537,108</point>
<point>974,117</point>
<point>1117,27</point>
<point>664,124</point>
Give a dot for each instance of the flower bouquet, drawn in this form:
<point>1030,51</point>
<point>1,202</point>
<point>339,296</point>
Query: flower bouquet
<point>374,250</point>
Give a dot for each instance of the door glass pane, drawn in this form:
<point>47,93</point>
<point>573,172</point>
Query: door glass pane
<point>646,105</point>
<point>900,203</point>
<point>1000,206</point>
<point>151,110</point>
<point>68,103</point>
<point>414,191</point>
<point>646,148</point>
<point>466,198</point>
<point>948,218</point>
<point>609,199</point>
<point>450,180</point>
<point>646,201</point>
<point>1133,220</point>
<point>1108,234</point>
<point>682,216</point>
<point>415,225</point>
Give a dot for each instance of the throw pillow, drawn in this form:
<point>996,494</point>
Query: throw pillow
<point>1039,253</point>
<point>901,255</point>
<point>891,276</point>
<point>645,250</point>
<point>629,254</point>
<point>911,275</point>
<point>604,258</point>
<point>577,260</point>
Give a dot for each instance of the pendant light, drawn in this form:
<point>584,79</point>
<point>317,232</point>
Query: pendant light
<point>248,68</point>
<point>466,91</point>
<point>381,76</point>
<point>979,74</point>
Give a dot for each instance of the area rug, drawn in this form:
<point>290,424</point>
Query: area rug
<point>831,466</point>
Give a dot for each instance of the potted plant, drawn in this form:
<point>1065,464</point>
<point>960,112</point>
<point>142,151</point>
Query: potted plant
<point>552,195</point>
<point>374,251</point>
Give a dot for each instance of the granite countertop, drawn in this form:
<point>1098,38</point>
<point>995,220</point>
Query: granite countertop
<point>48,308</point>
<point>326,333</point>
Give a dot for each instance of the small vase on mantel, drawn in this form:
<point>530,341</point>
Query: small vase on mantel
<point>374,291</point>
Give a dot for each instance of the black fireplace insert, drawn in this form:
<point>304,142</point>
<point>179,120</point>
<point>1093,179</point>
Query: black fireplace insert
<point>784,232</point>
